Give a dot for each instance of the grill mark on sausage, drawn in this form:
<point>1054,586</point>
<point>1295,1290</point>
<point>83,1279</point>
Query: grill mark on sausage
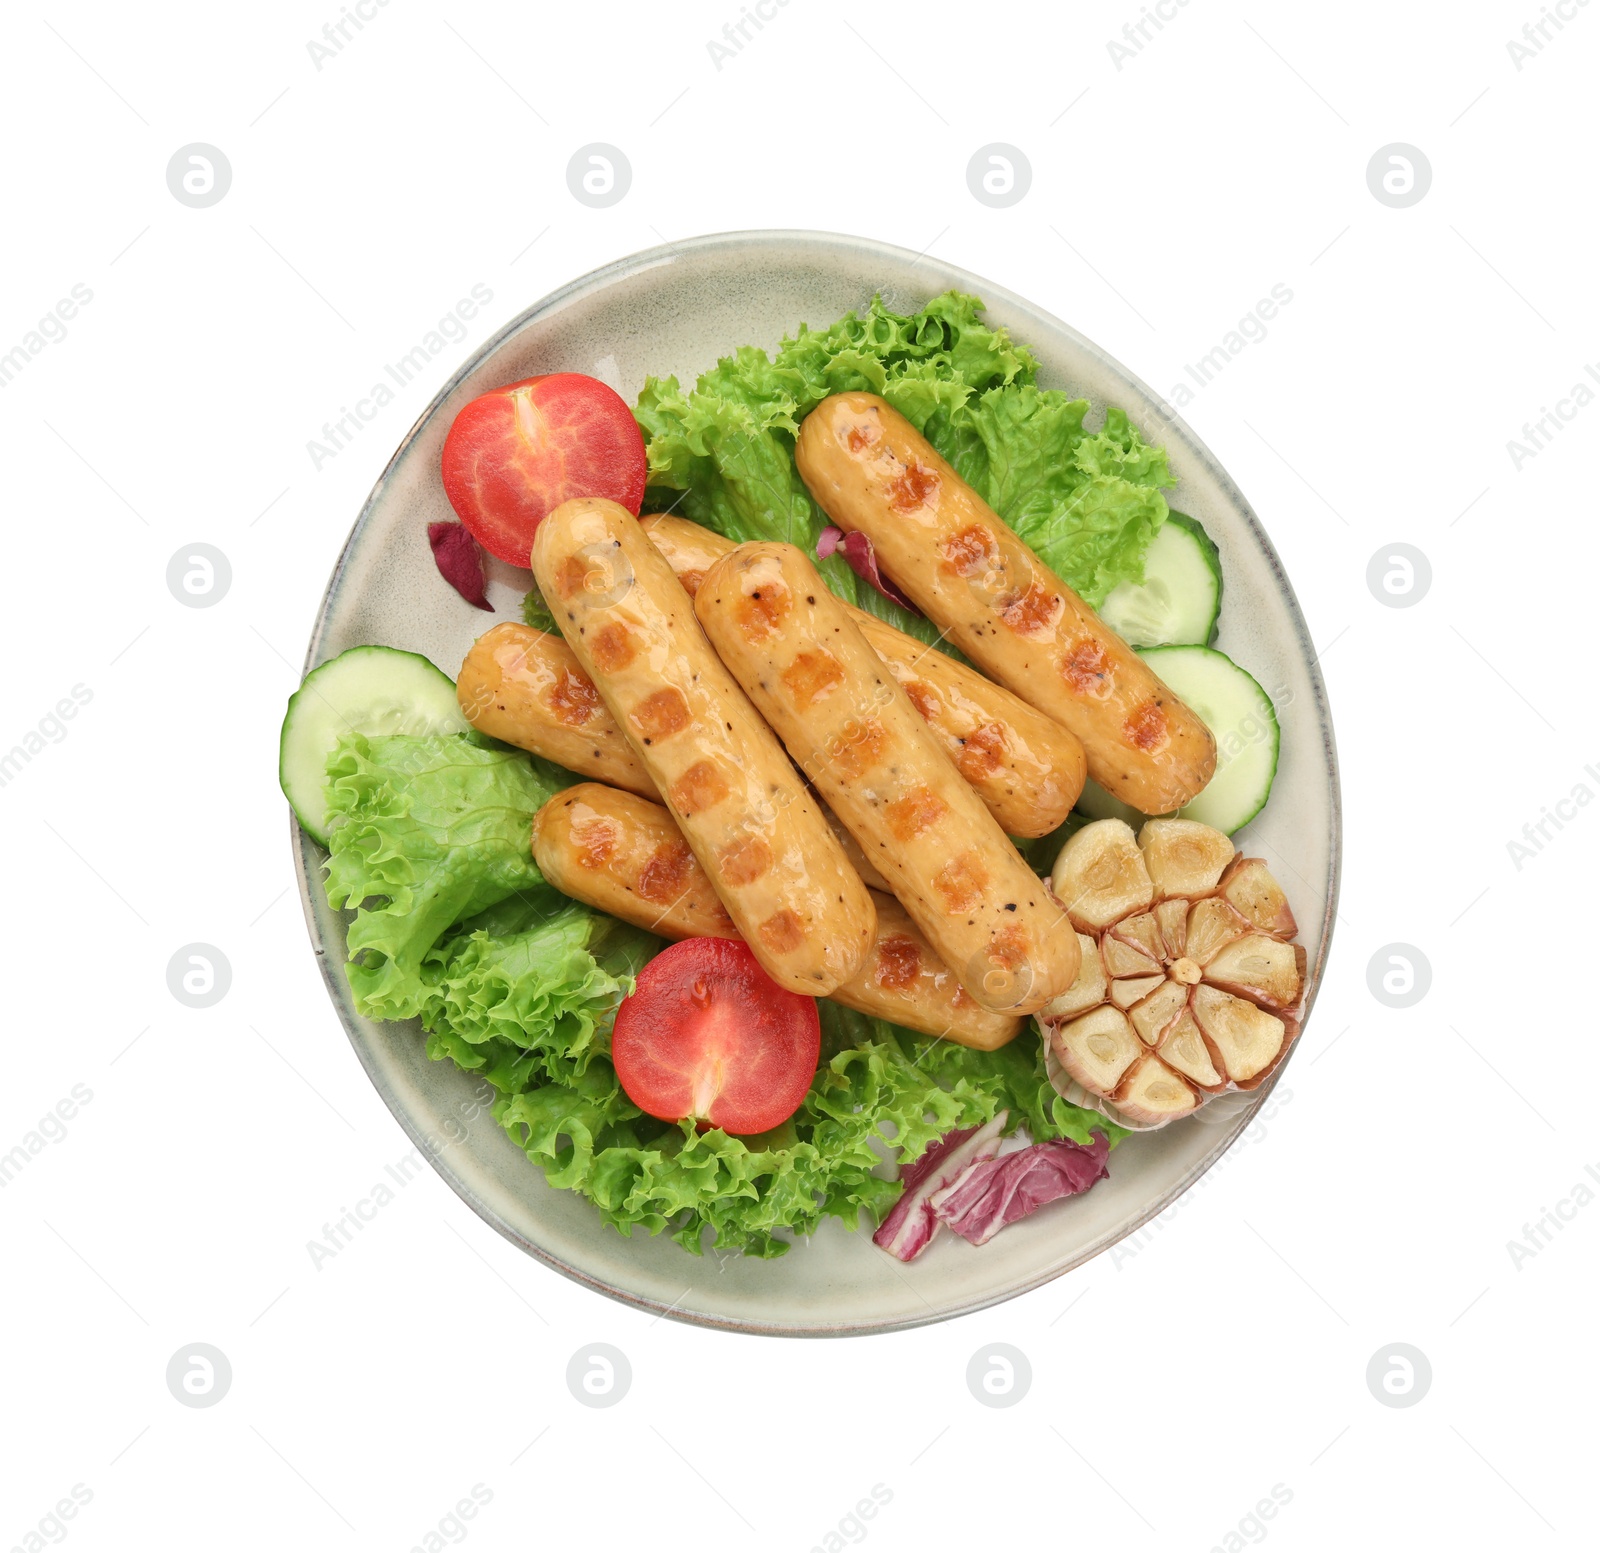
<point>859,747</point>
<point>908,817</point>
<point>1087,669</point>
<point>573,698</point>
<point>613,648</point>
<point>783,932</point>
<point>899,962</point>
<point>700,787</point>
<point>661,714</point>
<point>962,881</point>
<point>762,611</point>
<point>982,751</point>
<point>661,880</point>
<point>915,486</point>
<point>1146,727</point>
<point>744,861</point>
<point>1032,611</point>
<point>968,551</point>
<point>812,676</point>
<point>595,840</point>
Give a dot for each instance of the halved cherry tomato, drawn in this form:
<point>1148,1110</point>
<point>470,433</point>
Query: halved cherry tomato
<point>708,1034</point>
<point>515,454</point>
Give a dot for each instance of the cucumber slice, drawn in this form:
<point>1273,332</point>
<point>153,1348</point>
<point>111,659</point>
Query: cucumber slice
<point>1239,712</point>
<point>1181,595</point>
<point>365,690</point>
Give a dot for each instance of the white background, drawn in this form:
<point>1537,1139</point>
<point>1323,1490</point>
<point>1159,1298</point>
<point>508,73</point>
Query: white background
<point>1173,1388</point>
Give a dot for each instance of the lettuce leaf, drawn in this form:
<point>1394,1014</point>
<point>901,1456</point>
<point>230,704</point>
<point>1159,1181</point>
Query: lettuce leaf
<point>426,832</point>
<point>722,454</point>
<point>529,998</point>
<point>880,1093</point>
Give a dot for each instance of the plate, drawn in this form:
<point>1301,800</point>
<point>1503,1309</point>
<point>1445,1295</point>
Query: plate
<point>676,309</point>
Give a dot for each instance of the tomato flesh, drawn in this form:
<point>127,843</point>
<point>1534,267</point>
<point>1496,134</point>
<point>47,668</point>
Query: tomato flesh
<point>513,455</point>
<point>708,1035</point>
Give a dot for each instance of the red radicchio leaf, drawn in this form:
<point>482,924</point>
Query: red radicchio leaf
<point>460,561</point>
<point>911,1224</point>
<point>863,560</point>
<point>993,1193</point>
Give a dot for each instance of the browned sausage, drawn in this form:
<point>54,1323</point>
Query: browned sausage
<point>526,687</point>
<point>1025,766</point>
<point>743,810</point>
<point>854,732</point>
<point>627,857</point>
<point>870,469</point>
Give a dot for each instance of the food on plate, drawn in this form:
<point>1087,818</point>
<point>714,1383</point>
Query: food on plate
<point>855,734</point>
<point>527,688</point>
<point>459,558</point>
<point>707,1037</point>
<point>588,952</point>
<point>1180,598</point>
<point>516,453</point>
<point>1190,982</point>
<point>967,1183</point>
<point>1242,719</point>
<point>1026,767</point>
<point>719,768</point>
<point>625,856</point>
<point>871,470</point>
<point>373,690</point>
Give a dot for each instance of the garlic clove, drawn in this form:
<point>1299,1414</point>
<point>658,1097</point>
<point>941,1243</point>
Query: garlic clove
<point>1184,857</point>
<point>1100,875</point>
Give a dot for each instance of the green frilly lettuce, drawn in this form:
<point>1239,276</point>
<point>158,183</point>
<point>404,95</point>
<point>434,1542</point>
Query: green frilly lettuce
<point>516,983</point>
<point>722,454</point>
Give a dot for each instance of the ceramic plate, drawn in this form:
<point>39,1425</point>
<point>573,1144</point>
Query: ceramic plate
<point>676,309</point>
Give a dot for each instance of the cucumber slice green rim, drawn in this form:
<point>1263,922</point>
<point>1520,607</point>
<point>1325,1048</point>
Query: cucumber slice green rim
<point>1232,704</point>
<point>1180,598</point>
<point>371,690</point>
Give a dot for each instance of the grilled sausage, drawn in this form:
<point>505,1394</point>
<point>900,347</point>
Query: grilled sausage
<point>1026,767</point>
<point>856,735</point>
<point>870,469</point>
<point>627,857</point>
<point>526,687</point>
<point>746,815</point>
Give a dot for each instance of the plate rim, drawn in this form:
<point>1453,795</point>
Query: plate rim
<point>307,855</point>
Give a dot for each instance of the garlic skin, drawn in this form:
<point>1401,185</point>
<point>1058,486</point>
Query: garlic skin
<point>1189,984</point>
